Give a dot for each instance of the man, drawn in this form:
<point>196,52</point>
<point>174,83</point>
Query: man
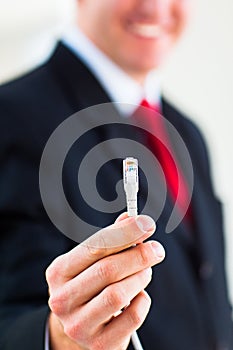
<point>190,309</point>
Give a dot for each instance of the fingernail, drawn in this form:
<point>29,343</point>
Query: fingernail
<point>158,250</point>
<point>146,295</point>
<point>145,223</point>
<point>148,271</point>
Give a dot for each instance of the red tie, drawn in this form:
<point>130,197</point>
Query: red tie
<point>162,149</point>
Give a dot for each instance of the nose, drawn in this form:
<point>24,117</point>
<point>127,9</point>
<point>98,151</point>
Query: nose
<point>153,8</point>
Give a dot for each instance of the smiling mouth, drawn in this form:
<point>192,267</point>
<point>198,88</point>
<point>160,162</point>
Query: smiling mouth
<point>149,31</point>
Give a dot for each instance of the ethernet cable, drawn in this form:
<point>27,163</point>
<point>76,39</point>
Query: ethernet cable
<point>131,186</point>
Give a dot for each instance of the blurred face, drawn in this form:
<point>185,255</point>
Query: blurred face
<point>135,34</point>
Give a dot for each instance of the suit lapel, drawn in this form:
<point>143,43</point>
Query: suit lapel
<point>79,85</point>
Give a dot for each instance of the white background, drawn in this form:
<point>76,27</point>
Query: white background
<point>198,76</point>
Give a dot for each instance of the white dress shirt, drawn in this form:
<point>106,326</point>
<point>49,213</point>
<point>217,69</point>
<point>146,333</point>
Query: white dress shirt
<point>121,88</point>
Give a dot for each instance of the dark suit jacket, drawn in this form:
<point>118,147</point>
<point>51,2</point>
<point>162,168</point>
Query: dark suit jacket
<point>190,307</point>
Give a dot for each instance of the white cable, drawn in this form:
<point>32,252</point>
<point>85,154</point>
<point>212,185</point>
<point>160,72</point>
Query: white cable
<point>131,186</point>
<point>136,341</point>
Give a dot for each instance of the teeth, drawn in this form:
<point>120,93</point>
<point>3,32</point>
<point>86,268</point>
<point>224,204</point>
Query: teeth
<point>147,30</point>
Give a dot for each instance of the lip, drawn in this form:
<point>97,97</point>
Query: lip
<point>145,30</point>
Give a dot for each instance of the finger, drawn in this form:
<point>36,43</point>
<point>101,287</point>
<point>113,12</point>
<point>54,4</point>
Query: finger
<point>110,240</point>
<point>121,327</point>
<point>122,216</point>
<point>112,269</point>
<point>110,301</point>
<point>122,234</point>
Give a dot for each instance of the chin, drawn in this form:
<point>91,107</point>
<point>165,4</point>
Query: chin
<point>148,60</point>
<point>150,65</point>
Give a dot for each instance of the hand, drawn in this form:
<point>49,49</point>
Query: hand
<point>91,284</point>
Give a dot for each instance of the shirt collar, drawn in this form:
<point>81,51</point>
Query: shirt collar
<point>120,87</point>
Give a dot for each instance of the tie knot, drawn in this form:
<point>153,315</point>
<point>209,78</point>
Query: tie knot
<point>154,107</point>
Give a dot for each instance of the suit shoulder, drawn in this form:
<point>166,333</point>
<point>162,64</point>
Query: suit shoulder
<point>26,86</point>
<point>29,106</point>
<point>25,100</point>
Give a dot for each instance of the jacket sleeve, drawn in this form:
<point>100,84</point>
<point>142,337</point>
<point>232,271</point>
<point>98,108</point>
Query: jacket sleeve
<point>28,241</point>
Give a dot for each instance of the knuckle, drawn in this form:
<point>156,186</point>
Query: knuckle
<point>107,271</point>
<point>144,256</point>
<point>54,305</point>
<point>114,298</point>
<point>135,318</point>
<point>94,251</point>
<point>96,246</point>
<point>53,271</point>
<point>75,331</point>
<point>49,274</point>
<point>57,303</point>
